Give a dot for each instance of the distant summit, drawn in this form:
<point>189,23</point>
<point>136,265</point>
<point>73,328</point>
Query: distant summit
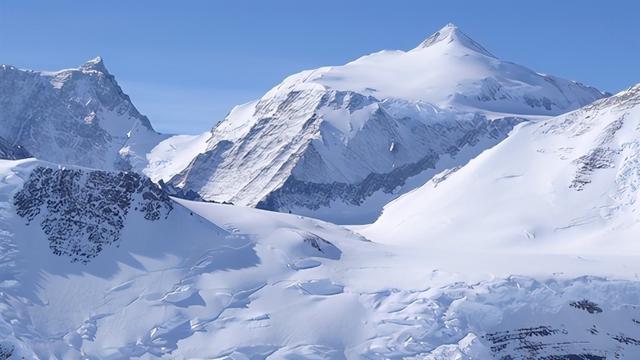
<point>339,142</point>
<point>566,184</point>
<point>451,34</point>
<point>74,117</point>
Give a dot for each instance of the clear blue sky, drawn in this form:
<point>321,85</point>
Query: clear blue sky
<point>186,63</point>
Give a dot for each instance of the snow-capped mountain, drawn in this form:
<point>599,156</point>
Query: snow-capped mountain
<point>565,185</point>
<point>105,264</point>
<point>340,142</point>
<point>75,116</point>
<point>449,69</point>
<point>122,271</point>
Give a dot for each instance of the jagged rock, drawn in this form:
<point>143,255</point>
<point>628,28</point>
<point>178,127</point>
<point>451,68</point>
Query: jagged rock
<point>74,116</point>
<point>586,305</point>
<point>83,211</point>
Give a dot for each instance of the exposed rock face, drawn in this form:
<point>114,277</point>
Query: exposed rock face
<point>82,212</point>
<point>311,195</point>
<point>609,129</point>
<point>76,116</point>
<point>6,351</point>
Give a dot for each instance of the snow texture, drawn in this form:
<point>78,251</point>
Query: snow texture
<point>512,234</point>
<point>565,185</point>
<point>75,116</point>
<point>340,142</point>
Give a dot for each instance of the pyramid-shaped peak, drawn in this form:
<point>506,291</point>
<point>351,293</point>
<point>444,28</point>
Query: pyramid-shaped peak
<point>451,34</point>
<point>449,28</point>
<point>96,64</point>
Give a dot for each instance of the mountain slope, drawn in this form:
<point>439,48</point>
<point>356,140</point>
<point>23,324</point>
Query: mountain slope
<point>12,152</point>
<point>565,185</point>
<point>334,141</point>
<point>122,271</point>
<point>449,69</point>
<point>75,116</point>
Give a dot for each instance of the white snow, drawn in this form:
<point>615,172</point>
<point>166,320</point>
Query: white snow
<point>567,185</point>
<point>522,250</point>
<point>170,156</point>
<point>451,69</point>
<point>381,113</point>
<point>216,281</point>
<point>74,116</point>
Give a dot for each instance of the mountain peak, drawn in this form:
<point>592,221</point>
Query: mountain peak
<point>451,34</point>
<point>96,64</point>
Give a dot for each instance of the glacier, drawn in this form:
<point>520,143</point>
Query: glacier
<point>508,201</point>
<point>205,280</point>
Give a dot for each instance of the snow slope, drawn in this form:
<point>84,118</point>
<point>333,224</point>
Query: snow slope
<point>565,185</point>
<point>173,154</point>
<point>177,279</point>
<point>334,141</point>
<point>75,116</point>
<point>449,69</point>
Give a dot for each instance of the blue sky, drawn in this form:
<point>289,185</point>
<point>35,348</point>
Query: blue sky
<point>186,63</point>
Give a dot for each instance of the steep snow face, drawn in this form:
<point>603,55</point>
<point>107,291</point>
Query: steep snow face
<point>449,69</point>
<point>565,185</point>
<point>76,116</point>
<point>314,148</point>
<point>186,280</point>
<point>339,142</point>
<point>173,154</point>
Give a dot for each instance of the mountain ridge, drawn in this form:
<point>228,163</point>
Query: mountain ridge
<point>580,167</point>
<point>342,132</point>
<point>75,116</point>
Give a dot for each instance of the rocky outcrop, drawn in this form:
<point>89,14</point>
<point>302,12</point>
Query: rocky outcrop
<point>82,212</point>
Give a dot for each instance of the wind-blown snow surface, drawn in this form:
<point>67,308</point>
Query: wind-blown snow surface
<point>565,185</point>
<point>340,142</point>
<point>173,154</point>
<point>181,280</point>
<point>74,116</point>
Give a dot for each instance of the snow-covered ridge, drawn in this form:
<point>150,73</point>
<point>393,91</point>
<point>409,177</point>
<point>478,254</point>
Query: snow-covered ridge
<point>339,142</point>
<point>449,69</point>
<point>74,116</point>
<point>451,33</point>
<point>567,184</point>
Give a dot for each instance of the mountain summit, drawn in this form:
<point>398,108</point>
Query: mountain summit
<point>565,185</point>
<point>339,142</point>
<point>96,64</point>
<point>451,34</point>
<point>74,116</point>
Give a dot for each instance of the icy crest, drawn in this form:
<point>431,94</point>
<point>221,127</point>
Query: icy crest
<point>451,34</point>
